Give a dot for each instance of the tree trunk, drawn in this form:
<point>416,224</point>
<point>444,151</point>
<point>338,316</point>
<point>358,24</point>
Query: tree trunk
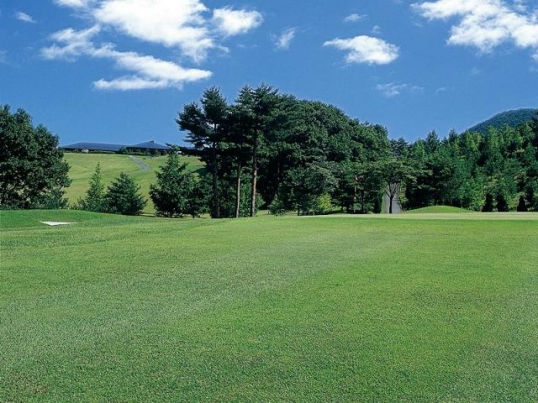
<point>238,190</point>
<point>254,177</point>
<point>391,197</point>
<point>216,206</point>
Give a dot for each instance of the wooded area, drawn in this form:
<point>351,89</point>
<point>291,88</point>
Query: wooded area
<point>274,151</point>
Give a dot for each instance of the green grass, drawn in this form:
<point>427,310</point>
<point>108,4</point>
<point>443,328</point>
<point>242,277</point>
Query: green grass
<point>82,167</point>
<point>271,309</point>
<point>437,210</point>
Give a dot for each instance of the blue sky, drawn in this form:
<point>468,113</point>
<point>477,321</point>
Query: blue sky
<point>119,71</point>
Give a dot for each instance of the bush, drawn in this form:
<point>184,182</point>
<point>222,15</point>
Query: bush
<point>277,207</point>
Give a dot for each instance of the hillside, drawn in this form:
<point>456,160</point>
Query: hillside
<point>511,118</point>
<point>82,166</point>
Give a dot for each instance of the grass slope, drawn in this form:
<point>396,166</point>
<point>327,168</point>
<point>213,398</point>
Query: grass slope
<point>82,167</point>
<point>437,210</point>
<point>346,309</point>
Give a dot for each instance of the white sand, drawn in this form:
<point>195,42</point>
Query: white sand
<point>53,223</point>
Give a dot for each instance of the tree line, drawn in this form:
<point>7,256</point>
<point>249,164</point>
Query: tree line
<point>495,171</point>
<point>274,151</point>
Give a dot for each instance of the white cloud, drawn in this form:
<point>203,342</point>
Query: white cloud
<point>74,3</point>
<point>155,70</point>
<point>354,17</point>
<point>149,72</point>
<point>129,83</point>
<point>234,22</point>
<point>172,23</point>
<point>284,40</point>
<point>187,27</point>
<point>366,49</point>
<point>24,17</point>
<point>74,43</point>
<point>393,89</point>
<point>485,24</point>
<point>376,30</point>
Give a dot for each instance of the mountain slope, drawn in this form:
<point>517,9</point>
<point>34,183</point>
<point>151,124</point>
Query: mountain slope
<point>511,118</point>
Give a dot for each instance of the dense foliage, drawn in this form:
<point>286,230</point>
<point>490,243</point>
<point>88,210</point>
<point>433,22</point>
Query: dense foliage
<point>177,192</point>
<point>304,155</point>
<point>32,170</point>
<point>493,172</point>
<point>310,157</point>
<point>123,196</point>
<point>513,119</point>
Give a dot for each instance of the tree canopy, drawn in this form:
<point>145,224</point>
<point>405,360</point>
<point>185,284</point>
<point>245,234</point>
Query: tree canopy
<point>272,149</point>
<point>33,173</point>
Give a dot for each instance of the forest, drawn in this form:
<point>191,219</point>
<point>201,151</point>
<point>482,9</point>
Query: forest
<point>275,151</point>
<point>268,150</point>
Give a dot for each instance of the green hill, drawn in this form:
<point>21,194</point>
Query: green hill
<point>82,167</point>
<point>437,210</point>
<point>509,118</point>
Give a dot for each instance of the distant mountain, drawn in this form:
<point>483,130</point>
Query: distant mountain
<point>510,118</point>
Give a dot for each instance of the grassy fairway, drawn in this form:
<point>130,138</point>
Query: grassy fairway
<point>328,309</point>
<point>82,167</point>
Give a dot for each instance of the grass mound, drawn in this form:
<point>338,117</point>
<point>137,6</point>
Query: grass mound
<point>438,210</point>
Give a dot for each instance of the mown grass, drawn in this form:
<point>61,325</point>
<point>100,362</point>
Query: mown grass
<point>437,210</point>
<point>82,167</point>
<point>308,309</point>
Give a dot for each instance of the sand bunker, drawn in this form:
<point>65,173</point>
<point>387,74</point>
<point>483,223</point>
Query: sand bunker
<point>53,223</point>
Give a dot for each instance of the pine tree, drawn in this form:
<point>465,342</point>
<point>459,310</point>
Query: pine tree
<point>95,195</point>
<point>171,195</point>
<point>123,196</point>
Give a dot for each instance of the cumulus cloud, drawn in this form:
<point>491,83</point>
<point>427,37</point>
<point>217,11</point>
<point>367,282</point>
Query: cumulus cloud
<point>390,90</point>
<point>187,27</point>
<point>172,23</point>
<point>72,43</point>
<point>234,22</point>
<point>284,40</point>
<point>24,17</point>
<point>354,17</point>
<point>485,24</point>
<point>366,49</point>
<point>149,72</point>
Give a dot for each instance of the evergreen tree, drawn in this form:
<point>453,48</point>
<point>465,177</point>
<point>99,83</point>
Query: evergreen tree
<point>175,186</point>
<point>95,195</point>
<point>205,128</point>
<point>123,196</point>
